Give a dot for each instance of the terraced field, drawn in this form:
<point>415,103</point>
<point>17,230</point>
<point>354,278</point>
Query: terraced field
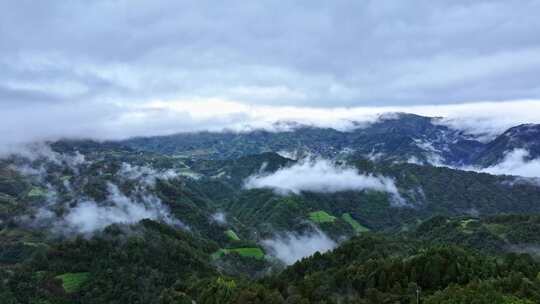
<point>251,252</point>
<point>321,217</point>
<point>232,235</point>
<point>358,228</point>
<point>72,282</point>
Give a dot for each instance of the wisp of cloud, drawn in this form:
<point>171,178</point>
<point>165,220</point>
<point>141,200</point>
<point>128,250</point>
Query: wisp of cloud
<point>292,247</point>
<point>219,218</point>
<point>321,176</point>
<point>88,217</point>
<point>515,163</point>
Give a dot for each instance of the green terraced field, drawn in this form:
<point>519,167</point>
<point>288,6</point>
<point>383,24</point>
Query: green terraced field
<point>251,252</point>
<point>232,235</point>
<point>72,282</point>
<point>37,192</point>
<point>358,228</point>
<point>254,252</point>
<point>468,226</point>
<point>321,217</point>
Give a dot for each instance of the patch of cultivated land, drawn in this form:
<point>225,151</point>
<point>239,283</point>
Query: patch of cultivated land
<point>37,192</point>
<point>251,252</point>
<point>72,282</point>
<point>232,235</point>
<point>321,217</point>
<point>358,228</point>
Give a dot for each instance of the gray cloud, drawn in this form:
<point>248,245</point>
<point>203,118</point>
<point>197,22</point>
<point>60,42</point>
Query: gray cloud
<point>91,69</point>
<point>515,162</point>
<point>25,123</point>
<point>268,52</point>
<point>88,216</point>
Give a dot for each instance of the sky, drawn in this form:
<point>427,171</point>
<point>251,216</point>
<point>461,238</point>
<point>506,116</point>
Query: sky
<point>120,68</point>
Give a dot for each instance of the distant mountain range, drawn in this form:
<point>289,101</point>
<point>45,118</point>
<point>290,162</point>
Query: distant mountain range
<point>400,137</point>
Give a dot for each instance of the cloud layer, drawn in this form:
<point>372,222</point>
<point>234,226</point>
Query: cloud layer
<point>267,52</point>
<point>292,247</point>
<point>88,216</point>
<point>115,69</point>
<point>102,120</point>
<point>516,163</point>
<point>322,176</point>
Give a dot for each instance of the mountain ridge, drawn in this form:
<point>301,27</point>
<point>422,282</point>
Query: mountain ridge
<point>399,137</point>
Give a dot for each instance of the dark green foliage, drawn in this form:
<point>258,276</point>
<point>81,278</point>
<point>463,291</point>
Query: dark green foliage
<point>491,234</point>
<point>154,263</point>
<point>123,267</point>
<point>353,271</point>
<point>452,258</point>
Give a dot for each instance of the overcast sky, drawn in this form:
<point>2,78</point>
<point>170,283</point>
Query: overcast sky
<point>123,68</point>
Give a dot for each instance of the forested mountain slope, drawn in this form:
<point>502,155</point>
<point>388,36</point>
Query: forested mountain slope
<point>396,137</point>
<point>89,222</point>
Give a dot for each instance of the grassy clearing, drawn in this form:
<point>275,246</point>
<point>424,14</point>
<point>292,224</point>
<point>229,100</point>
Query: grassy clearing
<point>497,229</point>
<point>321,217</point>
<point>358,228</point>
<point>254,252</point>
<point>468,226</point>
<point>249,252</point>
<point>232,235</point>
<point>72,282</point>
<point>37,192</point>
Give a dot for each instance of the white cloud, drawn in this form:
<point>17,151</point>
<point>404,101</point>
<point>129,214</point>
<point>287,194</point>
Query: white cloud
<point>323,176</point>
<point>41,151</point>
<point>119,120</point>
<point>414,160</point>
<point>146,175</point>
<point>294,155</point>
<point>219,217</point>
<point>486,119</point>
<point>515,163</point>
<point>292,247</point>
<point>88,217</point>
<point>432,154</point>
<point>44,153</point>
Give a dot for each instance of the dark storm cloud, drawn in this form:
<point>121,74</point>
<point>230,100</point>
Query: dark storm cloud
<point>314,53</point>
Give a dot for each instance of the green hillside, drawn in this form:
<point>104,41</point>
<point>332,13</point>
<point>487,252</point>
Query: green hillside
<point>457,233</point>
<point>321,217</point>
<point>72,282</point>
<point>358,228</point>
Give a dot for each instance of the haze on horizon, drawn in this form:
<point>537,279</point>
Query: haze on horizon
<point>116,69</point>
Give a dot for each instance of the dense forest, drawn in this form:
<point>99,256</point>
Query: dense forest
<point>152,263</point>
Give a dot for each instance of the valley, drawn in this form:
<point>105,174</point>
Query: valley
<point>307,215</point>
